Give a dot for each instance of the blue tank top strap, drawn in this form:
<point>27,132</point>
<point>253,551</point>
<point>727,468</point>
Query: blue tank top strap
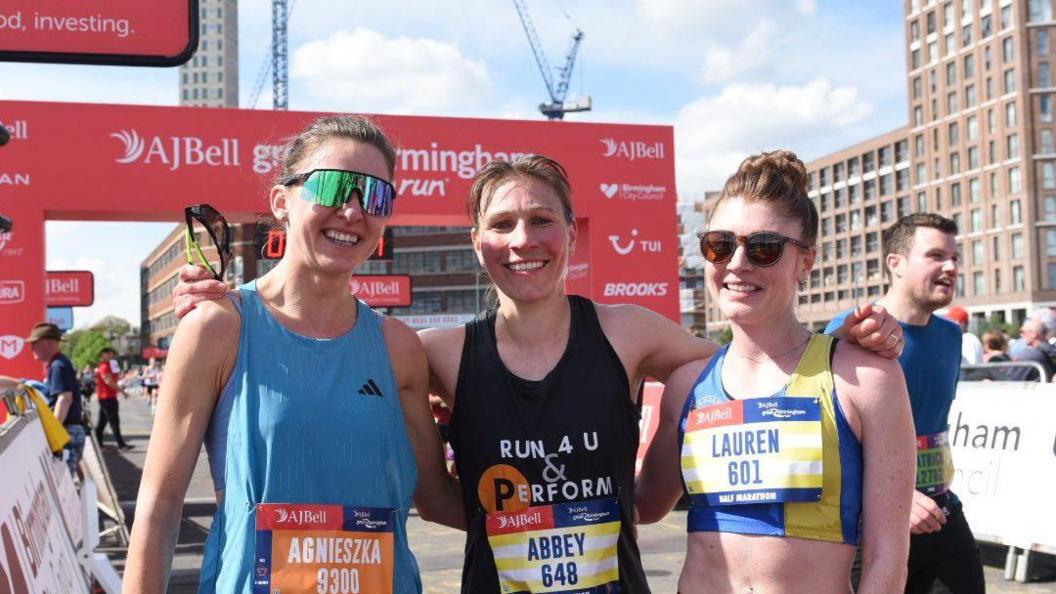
<point>306,421</point>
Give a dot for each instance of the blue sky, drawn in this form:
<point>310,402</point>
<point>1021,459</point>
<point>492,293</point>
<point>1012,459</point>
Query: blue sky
<point>733,76</point>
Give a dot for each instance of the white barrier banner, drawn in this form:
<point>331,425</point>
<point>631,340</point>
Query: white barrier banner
<point>1003,438</point>
<point>37,552</point>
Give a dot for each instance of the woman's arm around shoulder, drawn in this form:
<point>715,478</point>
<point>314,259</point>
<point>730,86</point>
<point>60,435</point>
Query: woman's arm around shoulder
<point>437,496</point>
<point>649,344</point>
<point>443,347</point>
<point>659,484</point>
<point>200,361</point>
<point>875,390</point>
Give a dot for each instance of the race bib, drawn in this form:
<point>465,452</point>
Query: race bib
<point>564,547</point>
<point>759,450</point>
<point>331,549</point>
<point>934,464</point>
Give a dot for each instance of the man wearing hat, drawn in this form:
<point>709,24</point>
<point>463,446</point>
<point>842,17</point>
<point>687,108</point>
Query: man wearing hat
<point>106,391</point>
<point>971,346</point>
<point>63,392</point>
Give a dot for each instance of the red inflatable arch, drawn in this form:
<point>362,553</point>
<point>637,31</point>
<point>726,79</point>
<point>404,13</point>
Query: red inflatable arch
<point>69,161</point>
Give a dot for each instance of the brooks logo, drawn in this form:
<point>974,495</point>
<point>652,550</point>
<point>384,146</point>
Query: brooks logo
<point>370,389</point>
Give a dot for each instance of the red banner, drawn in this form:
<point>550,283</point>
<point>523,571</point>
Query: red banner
<point>73,288</point>
<point>136,163</point>
<point>382,290</point>
<point>118,32</point>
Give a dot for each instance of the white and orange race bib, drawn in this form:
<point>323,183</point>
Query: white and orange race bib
<point>326,549</point>
<point>564,547</point>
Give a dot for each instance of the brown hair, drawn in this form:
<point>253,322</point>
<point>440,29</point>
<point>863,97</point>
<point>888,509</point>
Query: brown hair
<point>898,238</point>
<point>538,167</point>
<point>995,341</point>
<point>779,179</point>
<point>351,127</point>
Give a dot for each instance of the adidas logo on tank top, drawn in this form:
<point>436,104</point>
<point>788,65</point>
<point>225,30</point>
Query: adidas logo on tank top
<point>371,389</point>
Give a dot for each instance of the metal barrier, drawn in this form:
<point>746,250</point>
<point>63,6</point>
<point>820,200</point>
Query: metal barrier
<point>999,372</point>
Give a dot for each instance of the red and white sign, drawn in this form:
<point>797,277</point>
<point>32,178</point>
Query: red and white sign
<point>12,291</point>
<point>118,32</point>
<point>649,422</point>
<point>69,288</point>
<point>154,353</point>
<point>140,163</point>
<point>382,290</point>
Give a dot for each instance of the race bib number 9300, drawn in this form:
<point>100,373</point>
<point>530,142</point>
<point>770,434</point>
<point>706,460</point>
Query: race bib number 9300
<point>325,549</point>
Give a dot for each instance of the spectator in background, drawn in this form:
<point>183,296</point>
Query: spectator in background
<point>971,347</point>
<point>107,390</point>
<point>61,388</point>
<point>995,348</point>
<point>1032,336</point>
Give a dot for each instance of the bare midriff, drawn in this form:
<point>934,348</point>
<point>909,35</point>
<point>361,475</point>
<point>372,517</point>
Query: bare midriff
<point>718,563</point>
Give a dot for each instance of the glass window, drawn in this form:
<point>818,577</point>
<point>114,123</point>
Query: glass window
<point>1017,246</point>
<point>1040,10</point>
<point>868,162</point>
<point>1010,80</point>
<point>1012,146</point>
<point>930,20</point>
<point>955,194</point>
<point>977,220</point>
<point>951,73</point>
<point>1007,50</point>
<point>884,156</point>
<point>951,44</point>
<point>1019,281</point>
<point>973,157</point>
<point>969,67</point>
<point>997,248</point>
<point>1047,146</point>
<point>979,283</point>
<point>966,36</point>
<point>947,14</point>
<point>955,163</point>
<point>918,87</point>
<point>1051,282</point>
<point>1015,215</point>
<point>969,96</point>
<point>973,190</point>
<point>951,103</point>
<point>1014,181</point>
<point>1044,75</point>
<point>1010,115</point>
<point>973,128</point>
<point>986,27</point>
<point>1050,242</point>
<point>914,30</point>
<point>852,167</point>
<point>914,57</point>
<point>933,52</point>
<point>1042,42</point>
<point>995,215</point>
<point>1048,212</point>
<point>1048,175</point>
<point>901,150</point>
<point>918,145</point>
<point>1006,16</point>
<point>1045,108</point>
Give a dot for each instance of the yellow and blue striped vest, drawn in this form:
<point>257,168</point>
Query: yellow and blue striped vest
<point>833,517</point>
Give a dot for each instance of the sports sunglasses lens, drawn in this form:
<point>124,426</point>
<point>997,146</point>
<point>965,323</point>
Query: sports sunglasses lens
<point>717,247</point>
<point>765,249</point>
<point>378,197</point>
<point>328,188</point>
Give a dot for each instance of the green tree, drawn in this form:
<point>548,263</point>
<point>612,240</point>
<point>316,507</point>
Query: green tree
<point>90,343</point>
<point>112,326</point>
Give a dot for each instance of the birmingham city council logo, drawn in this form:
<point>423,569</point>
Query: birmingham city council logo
<point>134,145</point>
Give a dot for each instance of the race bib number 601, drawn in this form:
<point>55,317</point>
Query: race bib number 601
<point>326,549</point>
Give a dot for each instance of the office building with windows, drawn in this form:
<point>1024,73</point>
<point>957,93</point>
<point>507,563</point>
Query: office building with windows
<point>210,78</point>
<point>978,149</point>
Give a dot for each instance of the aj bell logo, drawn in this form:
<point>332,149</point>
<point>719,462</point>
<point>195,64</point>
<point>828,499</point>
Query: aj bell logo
<point>632,149</point>
<point>177,151</point>
<point>300,516</point>
<point>11,346</point>
<point>651,246</point>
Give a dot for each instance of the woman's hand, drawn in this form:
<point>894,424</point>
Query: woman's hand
<point>871,327</point>
<point>196,285</point>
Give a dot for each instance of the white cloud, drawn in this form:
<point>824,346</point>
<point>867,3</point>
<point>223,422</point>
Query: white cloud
<point>367,71</point>
<point>806,7</point>
<point>714,133</point>
<point>724,63</point>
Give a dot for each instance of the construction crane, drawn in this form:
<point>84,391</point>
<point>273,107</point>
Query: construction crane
<point>276,62</point>
<point>557,107</point>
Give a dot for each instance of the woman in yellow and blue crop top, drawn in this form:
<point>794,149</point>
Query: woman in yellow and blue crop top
<point>791,447</point>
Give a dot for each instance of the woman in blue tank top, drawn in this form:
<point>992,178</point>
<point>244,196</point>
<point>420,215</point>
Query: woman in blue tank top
<point>783,440</point>
<point>312,406</point>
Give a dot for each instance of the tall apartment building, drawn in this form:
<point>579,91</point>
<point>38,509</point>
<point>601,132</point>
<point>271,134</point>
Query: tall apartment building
<point>978,149</point>
<point>210,78</point>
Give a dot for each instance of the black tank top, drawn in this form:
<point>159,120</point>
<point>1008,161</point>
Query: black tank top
<point>572,436</point>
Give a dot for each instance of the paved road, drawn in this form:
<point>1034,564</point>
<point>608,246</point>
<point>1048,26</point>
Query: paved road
<point>438,549</point>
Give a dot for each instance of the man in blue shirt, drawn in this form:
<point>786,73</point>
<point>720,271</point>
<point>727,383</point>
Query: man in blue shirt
<point>63,391</point>
<point>921,259</point>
